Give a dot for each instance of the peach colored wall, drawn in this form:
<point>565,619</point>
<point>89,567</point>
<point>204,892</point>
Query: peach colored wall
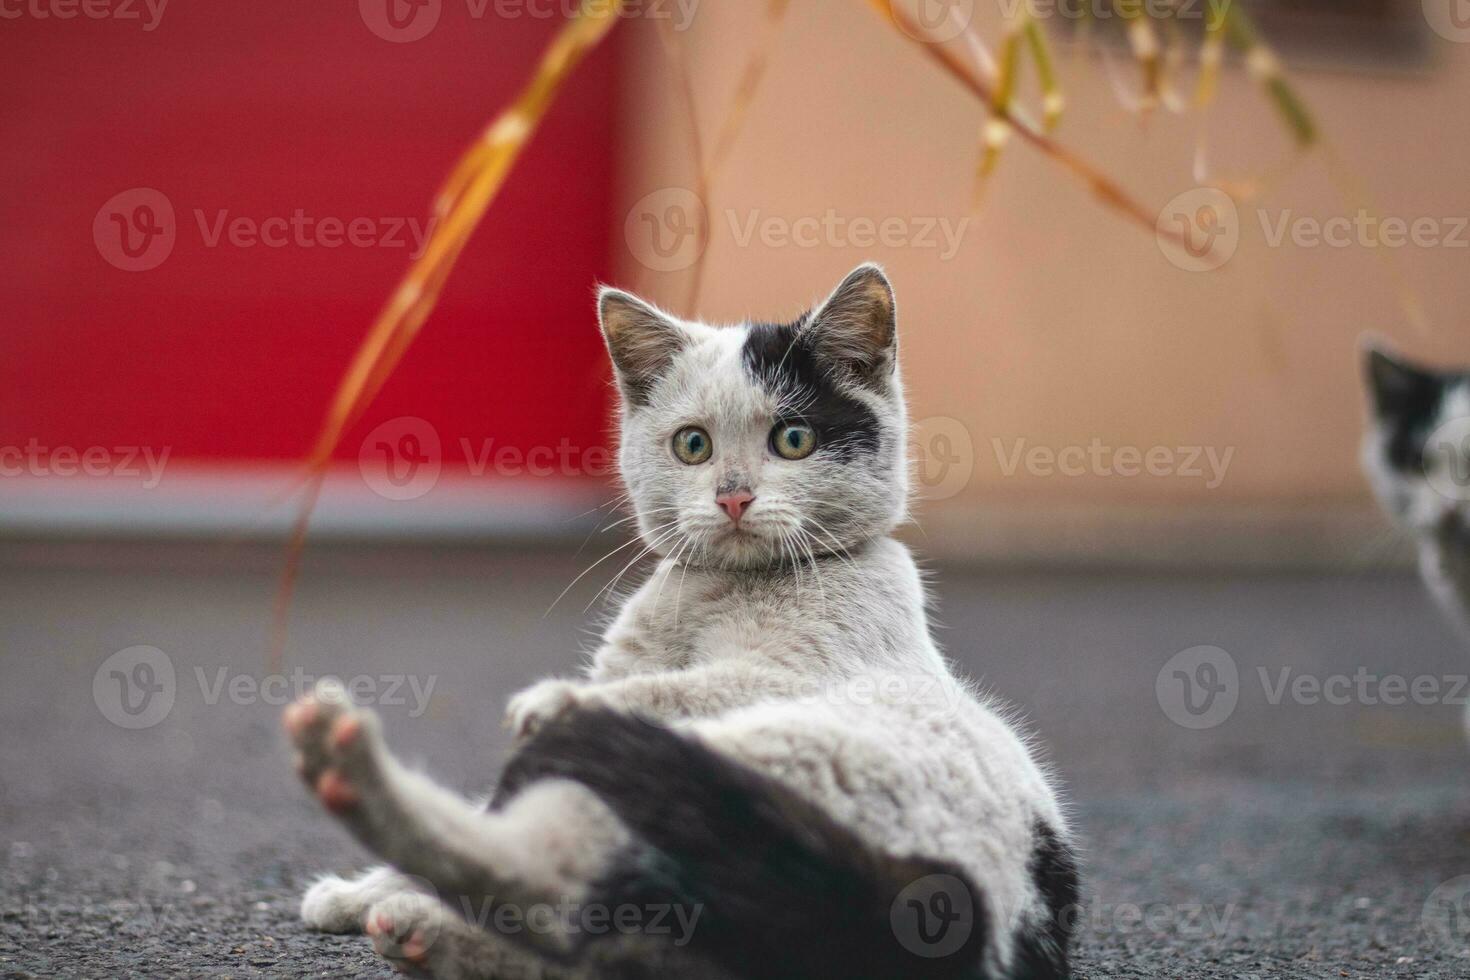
<point>1057,321</point>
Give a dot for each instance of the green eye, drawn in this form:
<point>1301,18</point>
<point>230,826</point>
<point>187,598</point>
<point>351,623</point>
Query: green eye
<point>793,440</point>
<point>693,445</point>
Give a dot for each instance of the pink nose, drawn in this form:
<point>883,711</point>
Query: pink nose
<point>735,503</point>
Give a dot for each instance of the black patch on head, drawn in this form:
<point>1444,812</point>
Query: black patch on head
<point>1407,399</point>
<point>783,359</point>
<point>1045,953</point>
<point>786,892</point>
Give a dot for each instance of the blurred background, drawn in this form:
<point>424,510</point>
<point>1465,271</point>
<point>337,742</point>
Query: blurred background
<point>287,158</point>
<point>1124,452</point>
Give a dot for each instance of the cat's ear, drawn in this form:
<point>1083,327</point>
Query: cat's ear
<point>856,329</point>
<point>1398,388</point>
<point>641,340</point>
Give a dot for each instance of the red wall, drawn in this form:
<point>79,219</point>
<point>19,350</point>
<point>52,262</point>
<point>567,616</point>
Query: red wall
<point>228,352</point>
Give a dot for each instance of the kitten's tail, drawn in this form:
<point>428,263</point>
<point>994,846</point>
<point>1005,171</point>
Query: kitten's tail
<point>768,870</point>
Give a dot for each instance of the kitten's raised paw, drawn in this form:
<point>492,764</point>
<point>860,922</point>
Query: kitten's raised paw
<point>335,744</point>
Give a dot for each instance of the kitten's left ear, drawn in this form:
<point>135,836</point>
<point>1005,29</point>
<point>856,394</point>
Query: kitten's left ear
<point>1397,386</point>
<point>641,339</point>
<point>856,328</point>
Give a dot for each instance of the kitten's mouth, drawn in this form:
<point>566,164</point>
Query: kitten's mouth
<point>740,539</point>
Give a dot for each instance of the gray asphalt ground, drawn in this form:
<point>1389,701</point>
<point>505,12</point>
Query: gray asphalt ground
<point>1291,839</point>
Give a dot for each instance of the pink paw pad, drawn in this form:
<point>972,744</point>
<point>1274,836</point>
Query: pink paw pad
<point>413,948</point>
<point>379,925</point>
<point>299,715</point>
<point>344,732</point>
<point>336,793</point>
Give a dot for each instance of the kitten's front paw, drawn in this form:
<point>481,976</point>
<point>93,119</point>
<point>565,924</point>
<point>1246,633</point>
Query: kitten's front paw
<point>540,703</point>
<point>336,744</point>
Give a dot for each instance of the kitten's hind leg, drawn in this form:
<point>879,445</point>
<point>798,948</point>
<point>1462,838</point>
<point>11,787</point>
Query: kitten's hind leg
<point>335,904</point>
<point>420,937</point>
<point>551,844</point>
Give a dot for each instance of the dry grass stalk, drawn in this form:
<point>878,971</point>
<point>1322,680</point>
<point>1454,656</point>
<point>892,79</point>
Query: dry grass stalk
<point>1107,190</point>
<point>461,203</point>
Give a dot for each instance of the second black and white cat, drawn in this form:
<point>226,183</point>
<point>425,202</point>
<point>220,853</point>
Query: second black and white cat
<point>1417,458</point>
<point>767,738</point>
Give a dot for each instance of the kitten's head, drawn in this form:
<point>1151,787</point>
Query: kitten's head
<point>1414,453</point>
<point>762,443</point>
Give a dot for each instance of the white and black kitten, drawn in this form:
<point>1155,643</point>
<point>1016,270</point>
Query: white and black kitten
<point>767,739</point>
<point>1417,458</point>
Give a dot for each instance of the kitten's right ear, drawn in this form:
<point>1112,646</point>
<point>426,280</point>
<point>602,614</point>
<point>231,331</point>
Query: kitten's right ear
<point>1397,386</point>
<point>641,340</point>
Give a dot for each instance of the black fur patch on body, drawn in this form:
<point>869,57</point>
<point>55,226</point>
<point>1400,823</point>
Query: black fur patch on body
<point>1045,953</point>
<point>786,892</point>
<point>781,359</point>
